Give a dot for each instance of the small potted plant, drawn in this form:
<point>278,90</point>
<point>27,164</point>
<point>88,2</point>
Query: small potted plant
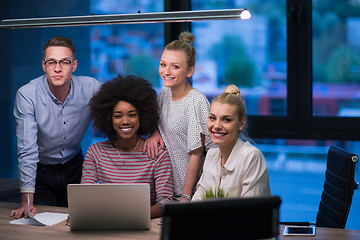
<point>214,193</point>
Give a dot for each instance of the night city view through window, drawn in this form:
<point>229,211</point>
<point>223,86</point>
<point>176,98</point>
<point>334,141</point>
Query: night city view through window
<point>336,58</point>
<point>252,54</point>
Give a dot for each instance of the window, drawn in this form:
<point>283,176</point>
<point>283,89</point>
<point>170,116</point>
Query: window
<point>248,53</point>
<point>336,58</point>
<point>126,49</point>
<point>315,108</point>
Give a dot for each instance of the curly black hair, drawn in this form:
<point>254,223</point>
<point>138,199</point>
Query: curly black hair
<point>132,89</point>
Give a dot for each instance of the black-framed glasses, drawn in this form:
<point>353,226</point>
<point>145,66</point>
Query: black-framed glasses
<point>64,63</point>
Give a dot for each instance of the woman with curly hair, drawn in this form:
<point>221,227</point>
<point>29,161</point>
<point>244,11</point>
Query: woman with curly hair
<point>124,109</point>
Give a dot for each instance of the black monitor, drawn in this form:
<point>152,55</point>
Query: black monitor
<point>232,218</point>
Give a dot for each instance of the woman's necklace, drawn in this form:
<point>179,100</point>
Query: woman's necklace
<point>116,146</point>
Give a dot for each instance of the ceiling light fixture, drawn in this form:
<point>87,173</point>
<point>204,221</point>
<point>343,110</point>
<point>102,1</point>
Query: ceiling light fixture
<point>155,17</point>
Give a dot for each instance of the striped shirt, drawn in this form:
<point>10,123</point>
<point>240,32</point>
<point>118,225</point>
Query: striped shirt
<point>104,164</point>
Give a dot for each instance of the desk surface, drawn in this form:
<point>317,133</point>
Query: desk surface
<point>61,231</point>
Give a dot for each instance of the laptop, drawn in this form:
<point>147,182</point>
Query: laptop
<point>109,206</point>
<point>246,218</point>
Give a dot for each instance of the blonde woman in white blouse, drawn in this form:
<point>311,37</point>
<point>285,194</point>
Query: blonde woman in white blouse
<point>236,167</point>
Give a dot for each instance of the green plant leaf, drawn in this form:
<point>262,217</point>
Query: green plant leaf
<point>214,193</point>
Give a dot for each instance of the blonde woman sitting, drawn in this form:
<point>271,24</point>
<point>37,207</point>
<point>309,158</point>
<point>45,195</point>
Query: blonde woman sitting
<point>237,167</point>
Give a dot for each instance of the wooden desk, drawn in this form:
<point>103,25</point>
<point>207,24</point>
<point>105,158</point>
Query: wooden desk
<point>326,234</point>
<point>61,231</point>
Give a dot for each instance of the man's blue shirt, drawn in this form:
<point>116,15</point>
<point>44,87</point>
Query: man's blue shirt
<point>48,131</point>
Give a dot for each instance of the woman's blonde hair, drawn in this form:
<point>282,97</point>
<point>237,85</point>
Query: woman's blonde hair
<point>233,96</point>
<point>184,44</point>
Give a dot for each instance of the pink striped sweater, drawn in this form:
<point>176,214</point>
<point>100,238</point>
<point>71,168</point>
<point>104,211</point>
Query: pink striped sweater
<point>104,165</point>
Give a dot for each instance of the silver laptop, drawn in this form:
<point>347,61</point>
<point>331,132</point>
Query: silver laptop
<point>109,206</point>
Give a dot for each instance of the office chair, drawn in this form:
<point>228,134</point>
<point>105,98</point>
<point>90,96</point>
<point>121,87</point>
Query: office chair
<point>338,190</point>
<point>218,219</point>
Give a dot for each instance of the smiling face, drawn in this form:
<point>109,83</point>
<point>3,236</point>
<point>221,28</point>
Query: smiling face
<point>224,124</point>
<point>173,68</point>
<point>126,121</point>
<point>58,76</point>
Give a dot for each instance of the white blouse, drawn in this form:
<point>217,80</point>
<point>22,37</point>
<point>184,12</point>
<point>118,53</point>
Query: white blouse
<point>243,175</point>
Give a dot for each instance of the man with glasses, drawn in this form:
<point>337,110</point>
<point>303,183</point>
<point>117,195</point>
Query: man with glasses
<point>52,116</point>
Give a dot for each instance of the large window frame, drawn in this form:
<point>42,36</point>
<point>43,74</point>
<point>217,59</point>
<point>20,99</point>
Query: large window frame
<point>299,123</point>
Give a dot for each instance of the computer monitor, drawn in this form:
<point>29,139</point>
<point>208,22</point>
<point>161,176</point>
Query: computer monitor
<point>247,218</point>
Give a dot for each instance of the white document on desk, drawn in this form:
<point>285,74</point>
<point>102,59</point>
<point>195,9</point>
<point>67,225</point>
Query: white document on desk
<point>41,219</point>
